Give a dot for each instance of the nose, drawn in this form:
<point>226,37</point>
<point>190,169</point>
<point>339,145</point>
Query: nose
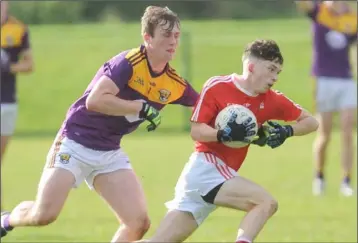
<point>173,41</point>
<point>274,78</point>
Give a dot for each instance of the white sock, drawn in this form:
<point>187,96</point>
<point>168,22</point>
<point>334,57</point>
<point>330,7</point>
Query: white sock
<point>241,237</point>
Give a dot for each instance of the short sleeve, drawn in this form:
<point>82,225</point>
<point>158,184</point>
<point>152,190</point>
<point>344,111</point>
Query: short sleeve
<point>205,108</point>
<point>25,42</point>
<point>119,70</point>
<point>189,97</point>
<point>284,108</point>
<point>314,12</point>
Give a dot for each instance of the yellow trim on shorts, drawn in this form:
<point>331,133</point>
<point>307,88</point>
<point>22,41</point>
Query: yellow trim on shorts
<point>56,149</point>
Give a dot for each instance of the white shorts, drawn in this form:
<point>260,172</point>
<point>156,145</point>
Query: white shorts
<point>84,163</point>
<point>201,174</point>
<point>8,119</point>
<point>335,94</point>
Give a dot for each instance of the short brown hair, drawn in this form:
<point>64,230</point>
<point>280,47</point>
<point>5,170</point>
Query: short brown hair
<point>154,15</point>
<point>264,49</point>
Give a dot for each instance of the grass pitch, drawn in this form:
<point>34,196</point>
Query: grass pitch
<point>66,59</point>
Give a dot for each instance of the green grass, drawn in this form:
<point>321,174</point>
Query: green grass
<point>67,57</point>
<point>285,172</point>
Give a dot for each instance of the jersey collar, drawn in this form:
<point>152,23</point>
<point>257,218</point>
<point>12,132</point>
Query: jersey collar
<point>152,73</point>
<point>235,78</point>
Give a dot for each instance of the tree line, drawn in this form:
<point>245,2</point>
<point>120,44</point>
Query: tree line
<point>52,12</point>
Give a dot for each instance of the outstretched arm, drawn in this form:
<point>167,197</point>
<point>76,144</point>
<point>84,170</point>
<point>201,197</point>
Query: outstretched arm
<point>305,124</point>
<point>25,63</point>
<point>103,99</point>
<point>285,109</point>
<point>275,134</point>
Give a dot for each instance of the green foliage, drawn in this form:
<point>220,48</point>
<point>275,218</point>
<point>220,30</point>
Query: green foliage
<point>252,9</point>
<point>60,12</point>
<point>38,12</point>
<point>48,12</point>
<point>26,11</point>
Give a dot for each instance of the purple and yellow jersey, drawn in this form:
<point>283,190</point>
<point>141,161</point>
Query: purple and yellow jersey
<point>14,40</point>
<point>131,72</point>
<point>332,37</point>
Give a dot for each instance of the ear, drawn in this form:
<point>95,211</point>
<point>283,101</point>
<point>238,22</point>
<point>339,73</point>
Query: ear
<point>251,67</point>
<point>147,38</point>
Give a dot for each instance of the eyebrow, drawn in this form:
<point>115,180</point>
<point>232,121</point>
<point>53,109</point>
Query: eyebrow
<point>170,31</point>
<point>275,67</point>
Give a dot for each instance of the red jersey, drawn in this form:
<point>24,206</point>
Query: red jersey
<point>221,91</point>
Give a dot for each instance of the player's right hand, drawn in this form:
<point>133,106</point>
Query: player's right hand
<point>236,132</point>
<point>5,61</point>
<point>152,115</point>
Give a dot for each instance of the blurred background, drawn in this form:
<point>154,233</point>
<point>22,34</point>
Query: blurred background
<point>59,12</point>
<point>67,35</point>
<point>72,39</point>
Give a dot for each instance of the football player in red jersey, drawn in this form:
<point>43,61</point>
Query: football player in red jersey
<point>209,179</point>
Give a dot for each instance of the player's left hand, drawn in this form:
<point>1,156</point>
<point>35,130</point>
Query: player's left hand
<point>278,134</point>
<point>152,115</point>
<point>261,137</point>
<point>236,132</point>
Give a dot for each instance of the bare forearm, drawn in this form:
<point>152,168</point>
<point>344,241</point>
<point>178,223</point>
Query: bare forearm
<point>203,133</point>
<point>111,105</point>
<point>21,67</point>
<point>305,126</point>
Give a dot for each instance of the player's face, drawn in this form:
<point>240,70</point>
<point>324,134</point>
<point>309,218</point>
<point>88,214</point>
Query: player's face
<point>265,75</point>
<point>165,41</point>
<point>4,6</point>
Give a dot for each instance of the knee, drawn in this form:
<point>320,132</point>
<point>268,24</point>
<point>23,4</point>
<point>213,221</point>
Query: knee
<point>323,139</point>
<point>146,225</point>
<point>347,123</point>
<point>271,206</point>
<point>139,225</point>
<point>143,224</point>
<point>347,134</point>
<point>42,217</point>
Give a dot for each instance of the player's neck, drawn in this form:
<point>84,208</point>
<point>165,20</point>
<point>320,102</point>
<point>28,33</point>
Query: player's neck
<point>156,64</point>
<point>243,83</point>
